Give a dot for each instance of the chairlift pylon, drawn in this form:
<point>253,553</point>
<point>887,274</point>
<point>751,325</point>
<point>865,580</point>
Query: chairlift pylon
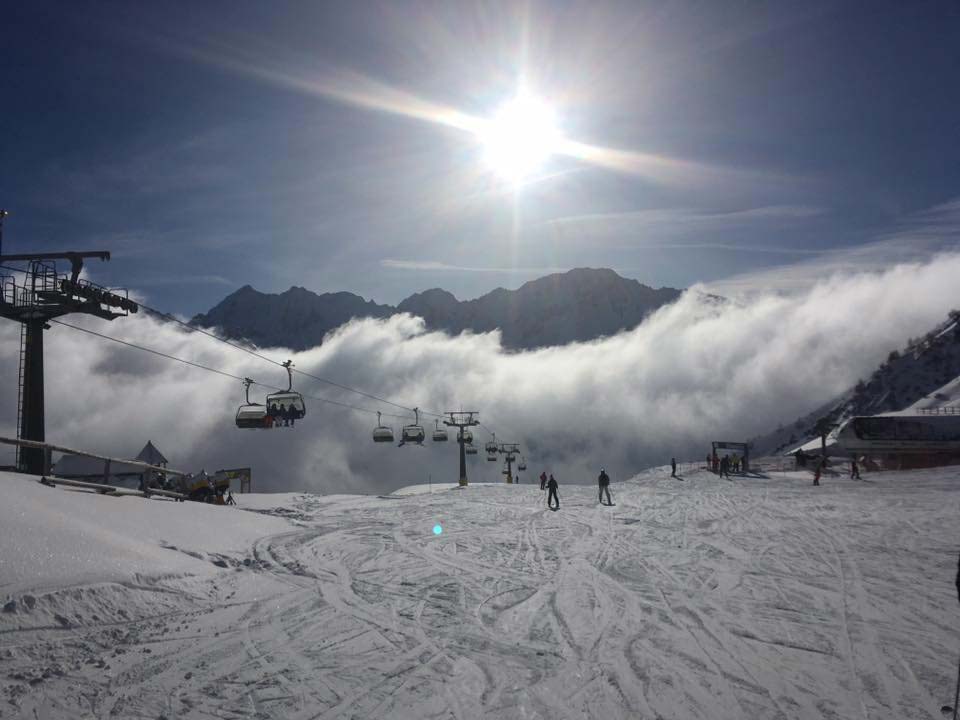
<point>286,405</point>
<point>382,433</point>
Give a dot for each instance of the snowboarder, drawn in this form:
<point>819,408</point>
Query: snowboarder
<point>552,486</point>
<point>854,469</point>
<point>543,480</point>
<point>604,481</point>
<point>673,467</point>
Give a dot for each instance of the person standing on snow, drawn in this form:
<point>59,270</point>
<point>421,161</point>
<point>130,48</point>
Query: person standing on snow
<point>958,579</point>
<point>854,469</point>
<point>818,471</point>
<point>552,486</point>
<point>604,481</point>
<point>673,467</point>
<point>543,480</point>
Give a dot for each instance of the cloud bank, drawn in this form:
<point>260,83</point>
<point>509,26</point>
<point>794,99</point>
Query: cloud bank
<point>694,372</point>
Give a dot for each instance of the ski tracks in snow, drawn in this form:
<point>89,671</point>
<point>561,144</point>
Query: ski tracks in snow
<point>759,598</point>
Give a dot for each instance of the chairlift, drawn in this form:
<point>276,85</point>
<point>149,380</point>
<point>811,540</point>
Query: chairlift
<point>491,448</point>
<point>438,434</point>
<point>382,433</point>
<point>251,415</point>
<point>413,433</point>
<point>469,448</point>
<point>286,405</point>
<point>522,465</point>
<point>465,436</point>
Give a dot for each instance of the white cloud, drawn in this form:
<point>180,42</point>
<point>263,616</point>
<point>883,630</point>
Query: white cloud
<point>690,374</point>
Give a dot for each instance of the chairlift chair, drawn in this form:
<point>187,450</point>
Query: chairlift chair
<point>286,401</point>
<point>465,436</point>
<point>252,415</point>
<point>438,434</point>
<point>522,465</point>
<point>382,433</point>
<point>470,449</point>
<point>413,433</point>
<point>491,448</point>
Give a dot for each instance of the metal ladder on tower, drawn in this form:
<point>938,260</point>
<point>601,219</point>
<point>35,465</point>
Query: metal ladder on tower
<point>20,382</point>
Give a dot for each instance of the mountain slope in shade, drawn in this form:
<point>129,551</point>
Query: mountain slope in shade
<point>923,375</point>
<point>575,306</point>
<point>296,319</point>
<point>579,305</point>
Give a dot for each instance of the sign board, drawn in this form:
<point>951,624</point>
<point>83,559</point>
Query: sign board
<point>243,475</point>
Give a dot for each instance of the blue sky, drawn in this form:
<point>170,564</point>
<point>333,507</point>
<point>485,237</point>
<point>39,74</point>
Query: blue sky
<point>215,144</point>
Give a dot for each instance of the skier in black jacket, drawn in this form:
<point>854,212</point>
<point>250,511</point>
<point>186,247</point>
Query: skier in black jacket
<point>604,482</point>
<point>552,495</point>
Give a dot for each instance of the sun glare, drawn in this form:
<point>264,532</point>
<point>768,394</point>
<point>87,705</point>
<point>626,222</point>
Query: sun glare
<point>519,138</point>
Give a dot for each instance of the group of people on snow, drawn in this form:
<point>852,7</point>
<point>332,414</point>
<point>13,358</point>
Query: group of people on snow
<point>551,485</point>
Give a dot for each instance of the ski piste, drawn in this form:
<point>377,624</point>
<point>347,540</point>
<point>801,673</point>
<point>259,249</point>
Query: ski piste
<point>764,597</point>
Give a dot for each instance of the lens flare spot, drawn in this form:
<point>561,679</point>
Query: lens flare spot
<point>437,529</point>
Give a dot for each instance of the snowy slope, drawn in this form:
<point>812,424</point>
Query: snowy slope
<point>925,374</point>
<point>757,598</point>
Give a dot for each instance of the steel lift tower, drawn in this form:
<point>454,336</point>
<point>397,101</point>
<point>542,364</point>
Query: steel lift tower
<point>460,420</point>
<point>37,297</point>
<point>510,450</point>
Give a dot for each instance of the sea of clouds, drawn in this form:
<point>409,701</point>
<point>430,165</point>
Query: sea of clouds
<point>695,371</point>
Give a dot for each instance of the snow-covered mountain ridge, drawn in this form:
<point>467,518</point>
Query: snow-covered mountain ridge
<point>924,374</point>
<point>579,305</point>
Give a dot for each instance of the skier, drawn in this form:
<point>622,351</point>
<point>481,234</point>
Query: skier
<point>958,579</point>
<point>543,480</point>
<point>673,467</point>
<point>552,486</point>
<point>725,467</point>
<point>818,471</point>
<point>854,469</point>
<point>230,500</point>
<point>604,481</point>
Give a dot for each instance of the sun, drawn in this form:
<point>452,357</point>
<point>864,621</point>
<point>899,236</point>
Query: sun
<point>519,138</point>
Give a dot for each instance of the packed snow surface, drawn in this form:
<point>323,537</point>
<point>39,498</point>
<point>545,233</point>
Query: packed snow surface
<point>762,597</point>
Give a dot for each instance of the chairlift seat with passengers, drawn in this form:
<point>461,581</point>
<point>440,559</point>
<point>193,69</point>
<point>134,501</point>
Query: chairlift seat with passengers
<point>413,433</point>
<point>286,404</point>
<point>289,403</point>
<point>470,449</point>
<point>439,435</point>
<point>382,433</point>
<point>465,436</point>
<point>522,465</point>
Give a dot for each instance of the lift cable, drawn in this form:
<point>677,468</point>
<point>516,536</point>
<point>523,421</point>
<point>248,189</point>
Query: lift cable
<point>213,370</point>
<point>193,328</point>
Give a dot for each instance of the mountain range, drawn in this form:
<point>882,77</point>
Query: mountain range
<point>579,305</point>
